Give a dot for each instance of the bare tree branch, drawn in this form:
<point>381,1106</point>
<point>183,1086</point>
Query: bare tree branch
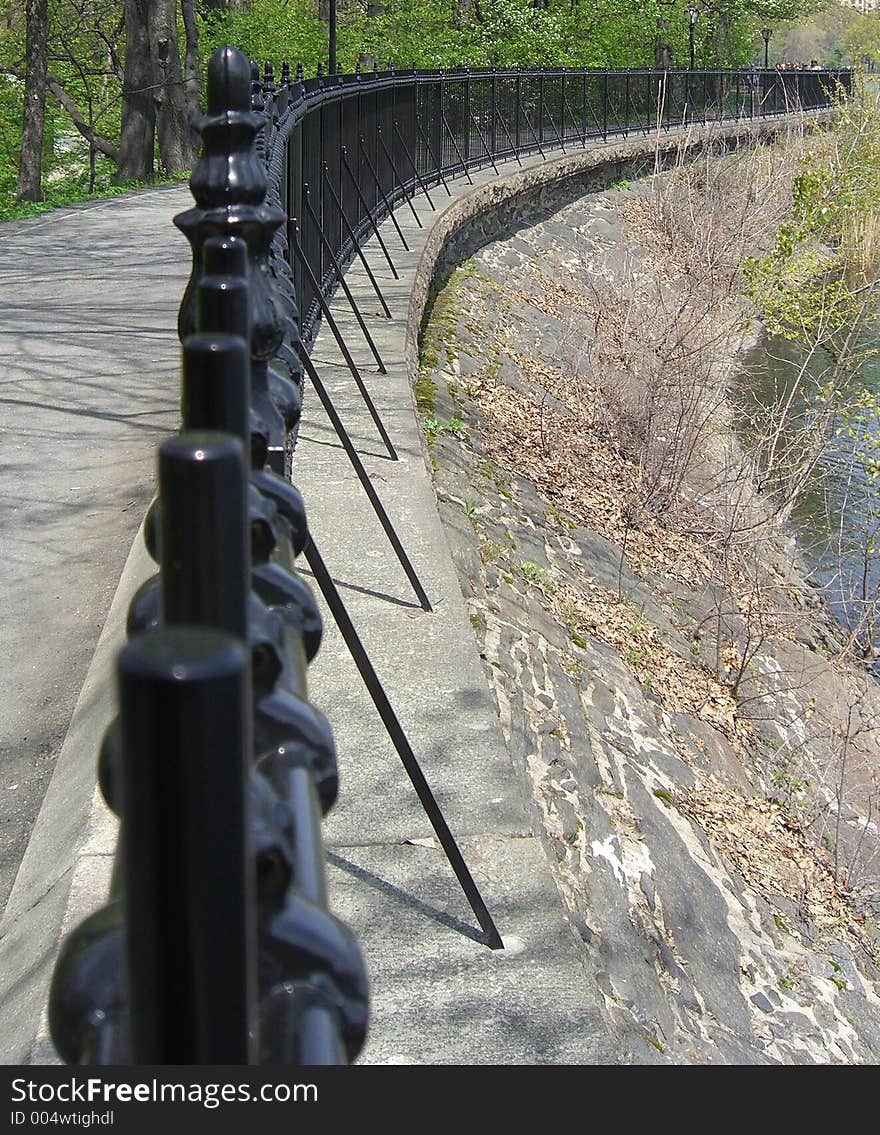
<point>102,144</point>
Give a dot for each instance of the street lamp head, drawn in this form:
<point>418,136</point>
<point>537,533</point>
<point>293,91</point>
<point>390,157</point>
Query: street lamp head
<point>766,33</point>
<point>693,13</point>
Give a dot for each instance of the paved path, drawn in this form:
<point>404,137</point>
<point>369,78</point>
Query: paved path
<point>82,406</point>
<point>78,468</point>
<point>439,995</point>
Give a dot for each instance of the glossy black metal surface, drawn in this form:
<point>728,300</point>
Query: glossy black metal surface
<point>217,946</point>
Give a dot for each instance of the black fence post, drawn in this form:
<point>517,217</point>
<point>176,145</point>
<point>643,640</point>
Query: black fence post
<point>188,885</point>
<point>216,946</point>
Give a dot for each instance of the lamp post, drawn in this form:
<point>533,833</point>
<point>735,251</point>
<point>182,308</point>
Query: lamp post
<point>692,17</point>
<point>766,33</point>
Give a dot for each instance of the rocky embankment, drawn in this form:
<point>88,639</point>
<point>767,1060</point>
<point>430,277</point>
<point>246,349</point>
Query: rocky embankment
<point>702,768</point>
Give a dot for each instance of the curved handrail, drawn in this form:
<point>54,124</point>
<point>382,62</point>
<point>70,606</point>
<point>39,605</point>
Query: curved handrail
<point>342,151</point>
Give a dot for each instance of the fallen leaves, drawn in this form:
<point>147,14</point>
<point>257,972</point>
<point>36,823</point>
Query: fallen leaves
<point>680,685</point>
<point>774,857</point>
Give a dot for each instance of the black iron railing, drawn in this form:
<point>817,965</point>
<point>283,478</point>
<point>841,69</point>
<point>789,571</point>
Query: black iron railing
<point>216,945</point>
<point>344,150</point>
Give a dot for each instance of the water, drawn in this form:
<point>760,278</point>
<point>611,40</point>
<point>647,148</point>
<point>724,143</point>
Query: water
<point>835,519</point>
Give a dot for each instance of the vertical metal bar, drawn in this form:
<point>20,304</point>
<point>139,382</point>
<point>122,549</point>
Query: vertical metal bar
<point>204,549</point>
<point>186,853</point>
<point>340,276</point>
<point>214,387</point>
<point>402,745</point>
<point>308,850</point>
<point>461,160</point>
<point>366,483</point>
<point>516,122</point>
<point>406,149</point>
<point>484,144</point>
<point>438,122</point>
<point>510,140</point>
<point>390,159</point>
<point>540,134</point>
<point>389,211</point>
<point>553,124</point>
<point>346,354</point>
<point>578,131</point>
<point>562,105</point>
<point>369,213</point>
<point>433,156</point>
<point>626,105</point>
<point>493,136</point>
<point>319,1040</point>
<point>357,248</point>
<point>467,116</point>
<point>318,221</point>
<point>294,204</point>
<point>533,132</point>
<point>584,104</point>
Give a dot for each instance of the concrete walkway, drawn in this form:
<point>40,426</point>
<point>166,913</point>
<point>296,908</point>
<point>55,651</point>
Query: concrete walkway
<point>439,995</point>
<point>80,483</point>
<point>88,385</point>
<point>88,302</point>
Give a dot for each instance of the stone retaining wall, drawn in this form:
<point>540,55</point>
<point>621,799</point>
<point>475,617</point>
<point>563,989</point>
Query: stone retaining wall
<point>713,931</point>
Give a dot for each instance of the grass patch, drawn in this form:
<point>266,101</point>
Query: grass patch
<point>491,550</point>
<point>537,575</point>
<point>426,393</point>
<point>74,191</point>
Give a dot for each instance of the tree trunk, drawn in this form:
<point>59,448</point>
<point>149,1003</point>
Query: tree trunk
<point>191,66</point>
<point>30,167</point>
<point>172,123</point>
<point>138,105</point>
<point>722,35</point>
<point>154,101</point>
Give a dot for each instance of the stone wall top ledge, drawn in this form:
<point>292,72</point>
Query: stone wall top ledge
<point>485,212</point>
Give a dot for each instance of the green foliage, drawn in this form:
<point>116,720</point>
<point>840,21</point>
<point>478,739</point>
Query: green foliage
<point>10,135</point>
<point>426,391</point>
<point>434,428</point>
<point>69,191</point>
<point>811,284</point>
<point>818,287</point>
<point>861,39</point>
<point>791,787</point>
<point>537,575</point>
<point>86,48</point>
<point>445,33</point>
<point>270,29</point>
